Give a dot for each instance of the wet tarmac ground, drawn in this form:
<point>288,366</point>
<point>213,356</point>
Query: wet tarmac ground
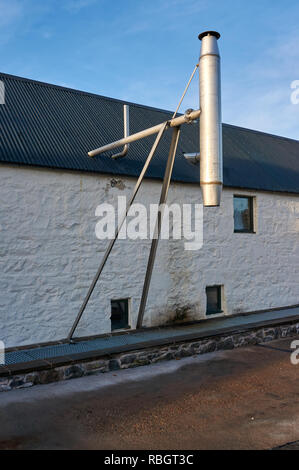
<point>246,398</point>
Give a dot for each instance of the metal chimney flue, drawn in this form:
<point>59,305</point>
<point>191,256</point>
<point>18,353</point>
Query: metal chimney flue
<point>211,172</point>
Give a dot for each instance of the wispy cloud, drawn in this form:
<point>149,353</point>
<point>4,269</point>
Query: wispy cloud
<point>10,15</point>
<point>256,97</point>
<point>75,6</point>
<point>262,100</point>
<point>46,34</point>
<point>162,14</point>
<point>10,11</point>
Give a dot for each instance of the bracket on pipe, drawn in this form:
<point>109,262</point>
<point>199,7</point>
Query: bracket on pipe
<point>193,158</point>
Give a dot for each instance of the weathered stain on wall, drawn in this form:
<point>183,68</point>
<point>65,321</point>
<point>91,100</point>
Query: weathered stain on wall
<point>117,183</point>
<point>49,255</point>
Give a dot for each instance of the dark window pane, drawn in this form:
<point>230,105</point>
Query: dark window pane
<point>243,220</point>
<point>119,314</point>
<point>213,299</point>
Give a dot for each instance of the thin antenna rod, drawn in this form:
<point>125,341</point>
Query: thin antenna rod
<point>155,241</point>
<point>110,246</point>
<point>185,91</point>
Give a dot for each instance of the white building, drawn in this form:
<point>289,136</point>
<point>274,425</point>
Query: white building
<point>49,192</point>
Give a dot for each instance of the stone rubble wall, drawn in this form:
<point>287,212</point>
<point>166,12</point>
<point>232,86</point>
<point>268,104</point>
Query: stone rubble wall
<point>149,356</point>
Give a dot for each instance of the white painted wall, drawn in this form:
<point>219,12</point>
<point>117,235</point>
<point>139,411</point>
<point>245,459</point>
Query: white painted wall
<point>49,254</point>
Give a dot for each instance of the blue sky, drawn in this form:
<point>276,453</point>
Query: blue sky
<point>144,51</point>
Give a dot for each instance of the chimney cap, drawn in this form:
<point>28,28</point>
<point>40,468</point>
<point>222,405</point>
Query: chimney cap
<point>209,33</point>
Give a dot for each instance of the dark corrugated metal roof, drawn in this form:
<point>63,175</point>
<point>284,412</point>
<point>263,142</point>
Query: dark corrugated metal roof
<point>51,126</point>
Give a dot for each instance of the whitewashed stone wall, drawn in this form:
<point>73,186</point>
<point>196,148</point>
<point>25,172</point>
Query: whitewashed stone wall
<point>49,254</point>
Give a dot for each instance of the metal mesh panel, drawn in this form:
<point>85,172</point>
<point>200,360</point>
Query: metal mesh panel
<point>115,341</point>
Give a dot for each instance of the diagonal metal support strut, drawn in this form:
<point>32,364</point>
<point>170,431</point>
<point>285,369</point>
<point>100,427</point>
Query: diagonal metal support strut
<point>110,246</point>
<point>163,197</point>
<point>186,118</point>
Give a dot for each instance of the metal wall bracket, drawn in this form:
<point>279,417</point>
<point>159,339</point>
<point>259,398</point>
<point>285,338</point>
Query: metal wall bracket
<point>192,157</point>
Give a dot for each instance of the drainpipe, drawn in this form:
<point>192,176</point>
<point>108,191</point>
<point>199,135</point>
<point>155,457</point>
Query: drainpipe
<point>124,152</point>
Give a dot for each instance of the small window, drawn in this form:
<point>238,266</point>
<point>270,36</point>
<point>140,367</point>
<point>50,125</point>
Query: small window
<point>119,314</point>
<point>213,300</point>
<point>243,214</point>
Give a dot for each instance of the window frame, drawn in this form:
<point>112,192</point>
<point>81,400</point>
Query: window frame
<point>128,304</point>
<point>219,300</point>
<point>251,200</point>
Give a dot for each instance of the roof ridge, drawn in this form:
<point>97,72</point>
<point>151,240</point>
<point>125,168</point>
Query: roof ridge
<point>96,95</point>
<point>82,92</point>
<point>255,131</point>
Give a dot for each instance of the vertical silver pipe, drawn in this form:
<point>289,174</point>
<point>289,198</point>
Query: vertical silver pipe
<point>124,152</point>
<point>211,171</point>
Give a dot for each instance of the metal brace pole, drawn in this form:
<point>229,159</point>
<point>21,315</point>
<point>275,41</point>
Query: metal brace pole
<point>110,246</point>
<point>186,118</point>
<point>155,241</point>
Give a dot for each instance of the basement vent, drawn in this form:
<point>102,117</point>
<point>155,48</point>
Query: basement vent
<point>119,314</point>
<point>214,301</point>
